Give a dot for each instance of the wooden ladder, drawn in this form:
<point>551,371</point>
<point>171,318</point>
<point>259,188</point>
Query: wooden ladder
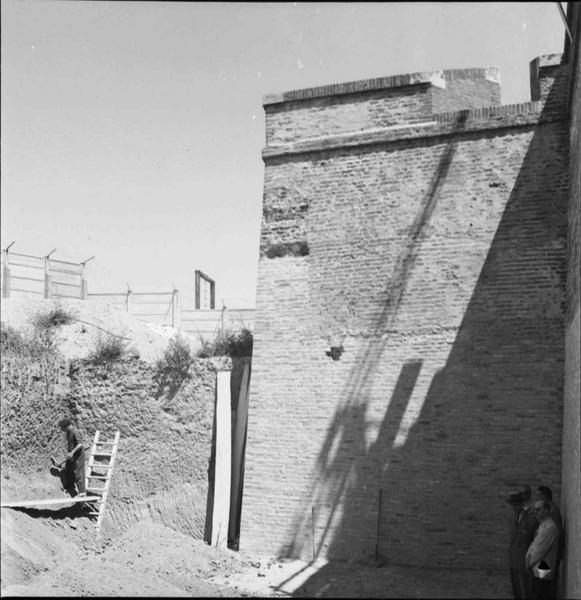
<point>100,470</point>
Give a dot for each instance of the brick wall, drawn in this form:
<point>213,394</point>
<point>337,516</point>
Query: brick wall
<point>467,88</point>
<point>571,496</point>
<point>547,76</point>
<point>377,103</point>
<point>435,255</point>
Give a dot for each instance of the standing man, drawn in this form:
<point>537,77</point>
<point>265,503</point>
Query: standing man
<point>545,494</point>
<point>522,527</point>
<point>526,494</point>
<point>542,554</point>
<point>75,461</point>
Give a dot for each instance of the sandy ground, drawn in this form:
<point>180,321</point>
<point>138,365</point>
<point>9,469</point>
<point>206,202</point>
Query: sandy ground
<point>94,320</point>
<point>55,551</point>
<point>323,579</point>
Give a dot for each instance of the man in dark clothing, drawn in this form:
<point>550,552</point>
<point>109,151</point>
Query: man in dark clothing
<point>545,494</point>
<point>74,469</point>
<point>522,528</point>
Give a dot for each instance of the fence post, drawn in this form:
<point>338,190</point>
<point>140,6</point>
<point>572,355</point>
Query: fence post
<point>46,277</point>
<point>83,279</point>
<point>83,290</point>
<point>6,276</point>
<point>128,299</point>
<point>175,312</point>
<point>47,286</point>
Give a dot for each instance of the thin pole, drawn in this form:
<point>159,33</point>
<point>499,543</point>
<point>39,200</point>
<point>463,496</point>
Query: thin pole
<point>6,274</point>
<point>564,17</point>
<point>46,277</point>
<point>83,278</point>
<point>313,529</point>
<point>379,498</point>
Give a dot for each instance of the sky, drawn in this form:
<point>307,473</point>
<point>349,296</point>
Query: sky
<point>132,131</point>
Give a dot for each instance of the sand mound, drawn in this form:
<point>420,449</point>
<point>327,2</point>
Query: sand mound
<point>55,552</point>
<point>93,321</point>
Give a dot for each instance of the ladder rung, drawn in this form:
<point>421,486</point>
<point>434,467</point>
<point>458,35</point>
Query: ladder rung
<point>97,477</point>
<point>94,466</point>
<point>97,453</point>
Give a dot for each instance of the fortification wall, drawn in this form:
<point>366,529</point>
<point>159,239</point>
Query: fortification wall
<point>433,252</point>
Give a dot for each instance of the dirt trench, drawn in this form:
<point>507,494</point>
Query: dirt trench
<point>159,486</point>
<point>55,552</point>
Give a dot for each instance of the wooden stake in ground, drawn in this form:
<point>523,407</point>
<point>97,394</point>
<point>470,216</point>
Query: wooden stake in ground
<point>379,498</point>
<point>313,530</point>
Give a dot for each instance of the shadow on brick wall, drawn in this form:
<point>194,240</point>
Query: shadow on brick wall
<point>346,432</point>
<point>491,419</point>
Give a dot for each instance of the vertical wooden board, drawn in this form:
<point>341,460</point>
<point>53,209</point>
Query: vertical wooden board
<point>223,461</point>
<point>238,445</point>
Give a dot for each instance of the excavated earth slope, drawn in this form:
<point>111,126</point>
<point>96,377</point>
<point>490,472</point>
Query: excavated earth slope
<point>151,538</point>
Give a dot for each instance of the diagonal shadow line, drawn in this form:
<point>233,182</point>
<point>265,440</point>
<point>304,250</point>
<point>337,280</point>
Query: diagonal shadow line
<point>368,358</point>
<point>406,263</point>
<point>395,410</point>
<point>317,584</point>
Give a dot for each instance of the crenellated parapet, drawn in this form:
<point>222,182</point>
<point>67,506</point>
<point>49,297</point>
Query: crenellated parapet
<point>411,106</point>
<point>372,104</point>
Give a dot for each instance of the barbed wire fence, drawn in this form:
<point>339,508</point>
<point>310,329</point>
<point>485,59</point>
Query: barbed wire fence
<point>25,275</point>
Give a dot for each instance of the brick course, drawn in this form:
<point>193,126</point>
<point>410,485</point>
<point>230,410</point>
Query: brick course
<point>436,258</point>
<point>383,102</point>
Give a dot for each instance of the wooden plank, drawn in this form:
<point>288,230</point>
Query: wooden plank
<point>223,466</point>
<point>238,444</point>
<point>26,503</point>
